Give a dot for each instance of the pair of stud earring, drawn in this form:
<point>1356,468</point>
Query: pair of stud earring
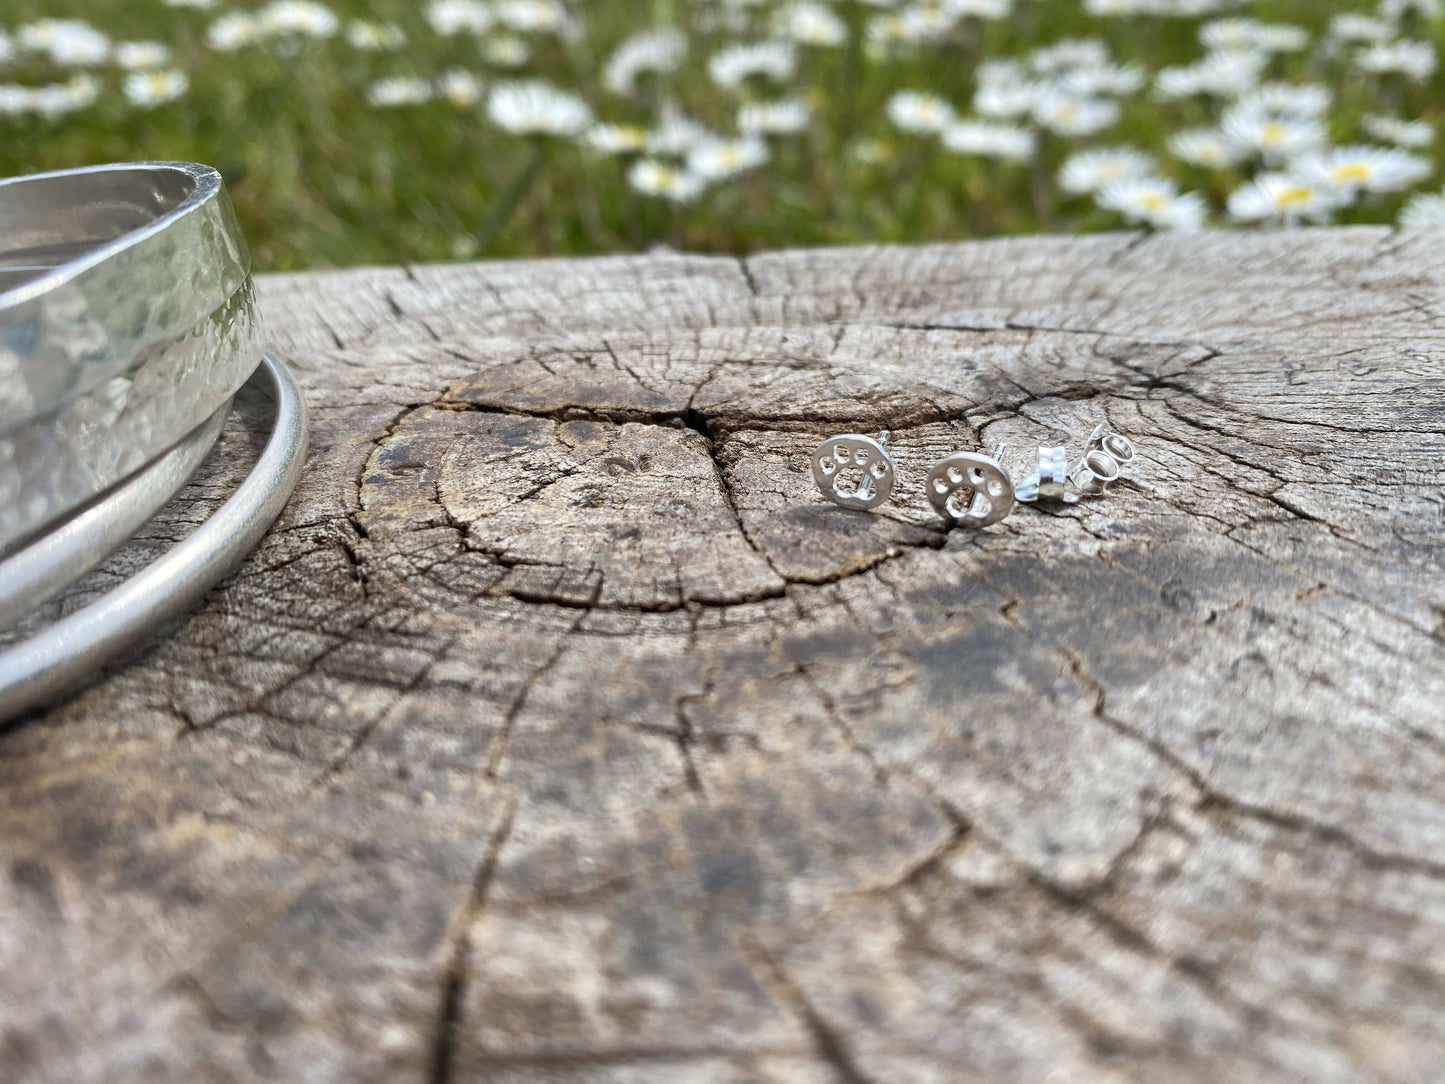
<point>969,489</point>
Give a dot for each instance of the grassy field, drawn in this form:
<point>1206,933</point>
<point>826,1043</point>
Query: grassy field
<point>323,178</point>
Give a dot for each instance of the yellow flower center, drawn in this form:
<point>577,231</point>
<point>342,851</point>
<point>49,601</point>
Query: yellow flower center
<point>1153,202</point>
<point>1294,195</point>
<point>1351,173</point>
<point>1273,134</point>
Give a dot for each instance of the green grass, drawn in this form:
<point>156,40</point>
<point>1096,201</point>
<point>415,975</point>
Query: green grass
<point>322,179</point>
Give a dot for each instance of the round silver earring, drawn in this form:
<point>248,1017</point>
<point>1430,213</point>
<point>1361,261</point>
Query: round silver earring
<point>971,489</point>
<point>1093,474</point>
<point>854,471</point>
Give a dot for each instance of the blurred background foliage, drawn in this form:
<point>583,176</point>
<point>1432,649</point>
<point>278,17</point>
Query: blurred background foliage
<point>322,178</point>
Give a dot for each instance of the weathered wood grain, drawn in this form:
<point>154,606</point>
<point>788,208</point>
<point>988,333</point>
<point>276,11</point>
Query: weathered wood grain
<point>560,733</point>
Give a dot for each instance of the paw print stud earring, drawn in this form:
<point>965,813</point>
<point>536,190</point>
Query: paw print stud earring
<point>854,471</point>
<point>971,489</point>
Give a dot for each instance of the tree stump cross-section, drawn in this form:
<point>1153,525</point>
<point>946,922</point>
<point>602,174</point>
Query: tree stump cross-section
<point>561,732</point>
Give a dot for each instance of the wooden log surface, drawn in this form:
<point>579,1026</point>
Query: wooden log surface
<point>560,732</point>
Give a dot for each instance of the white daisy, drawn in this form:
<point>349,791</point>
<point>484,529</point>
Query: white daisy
<point>1223,74</point>
<point>459,16</point>
<point>651,52</point>
<point>233,31</point>
<point>989,140</point>
<point>1397,130</point>
<point>717,159</point>
<point>1251,34</point>
<point>774,118</point>
<point>463,89</point>
<point>1354,27</point>
<point>812,24</point>
<point>1070,115</point>
<point>653,178</point>
<point>1288,99</point>
<point>68,42</point>
<point>537,108</point>
<point>148,89</point>
<point>616,138</point>
<point>1007,99</point>
<point>1272,135</point>
<point>1155,201</point>
<point>913,111</point>
<point>1413,59</point>
<point>1362,167</point>
<point>923,24</point>
<point>399,90</point>
<point>532,16</point>
<point>506,51</point>
<point>136,55</point>
<point>1207,147</point>
<point>1425,9</point>
<point>1282,197</point>
<point>304,17</point>
<point>1070,53</point>
<point>774,59</point>
<point>372,37</point>
<point>1093,170</point>
<point>1424,211</point>
<point>1103,79</point>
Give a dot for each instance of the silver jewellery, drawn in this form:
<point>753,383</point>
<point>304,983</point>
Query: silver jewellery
<point>854,471</point>
<point>126,320</point>
<point>127,324</point>
<point>969,489</point>
<point>1105,454</point>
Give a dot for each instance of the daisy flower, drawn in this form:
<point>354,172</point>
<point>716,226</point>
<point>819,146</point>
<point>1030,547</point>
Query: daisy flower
<point>1155,201</point>
<point>1065,55</point>
<point>1069,115</point>
<point>450,17</point>
<point>1207,147</point>
<point>400,90</point>
<point>1253,35</point>
<point>461,88</point>
<point>299,17</point>
<point>1222,74</point>
<point>149,89</point>
<point>1289,99</point>
<point>1093,170</point>
<point>68,42</point>
<point>1352,27</point>
<point>989,140</point>
<point>1404,133</point>
<point>532,16</point>
<point>537,108</point>
<point>1362,167</point>
<point>1425,210</point>
<point>913,111</point>
<point>371,37</point>
<point>653,51</point>
<point>812,24</point>
<point>1282,197</point>
<point>137,55</point>
<point>718,159</point>
<point>774,118</point>
<point>616,138</point>
<point>653,178</point>
<point>1272,135</point>
<point>1415,60</point>
<point>1103,79</point>
<point>506,51</point>
<point>233,31</point>
<point>731,66</point>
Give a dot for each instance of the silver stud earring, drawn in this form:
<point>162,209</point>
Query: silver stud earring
<point>971,489</point>
<point>854,471</point>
